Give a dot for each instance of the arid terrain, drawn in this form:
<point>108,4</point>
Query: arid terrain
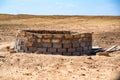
<point>24,66</point>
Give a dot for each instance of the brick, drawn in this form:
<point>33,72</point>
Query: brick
<point>79,49</point>
<point>67,54</point>
<point>83,35</point>
<point>32,49</point>
<point>55,45</point>
<point>90,39</point>
<point>83,44</point>
<point>35,44</point>
<point>20,42</point>
<point>39,45</point>
<point>48,52</point>
<point>29,34</point>
<point>58,36</point>
<point>80,40</point>
<point>23,38</point>
<point>47,36</point>
<point>20,50</point>
<point>68,36</point>
<point>46,40</point>
<point>67,46</point>
<point>85,48</point>
<point>46,45</point>
<point>42,50</point>
<point>74,45</point>
<point>71,49</point>
<point>66,41</point>
<point>22,34</point>
<point>86,39</point>
<point>62,50</point>
<point>18,47</point>
<point>22,47</point>
<point>32,40</point>
<point>28,44</point>
<point>55,40</point>
<point>77,36</point>
<point>52,50</point>
<point>88,34</point>
<point>89,47</point>
<point>39,36</point>
<point>82,49</point>
<point>75,41</point>
<point>56,53</point>
<point>39,40</point>
<point>76,53</point>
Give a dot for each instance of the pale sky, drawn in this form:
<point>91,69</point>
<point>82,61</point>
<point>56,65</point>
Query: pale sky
<point>61,7</point>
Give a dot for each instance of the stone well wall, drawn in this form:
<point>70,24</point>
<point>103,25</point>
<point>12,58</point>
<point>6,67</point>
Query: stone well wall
<point>53,42</point>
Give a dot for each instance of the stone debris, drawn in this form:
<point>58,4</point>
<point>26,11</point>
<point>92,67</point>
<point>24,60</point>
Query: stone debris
<point>113,48</point>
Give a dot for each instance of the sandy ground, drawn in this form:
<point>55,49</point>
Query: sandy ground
<point>24,66</point>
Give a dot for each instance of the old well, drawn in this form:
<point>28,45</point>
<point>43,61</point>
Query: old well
<point>53,42</point>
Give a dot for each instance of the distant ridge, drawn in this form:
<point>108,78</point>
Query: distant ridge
<point>27,16</point>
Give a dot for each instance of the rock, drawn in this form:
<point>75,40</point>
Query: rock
<point>2,56</point>
<point>12,51</point>
<point>89,58</point>
<point>82,74</point>
<point>8,48</point>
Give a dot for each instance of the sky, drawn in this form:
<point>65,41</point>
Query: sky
<point>61,7</point>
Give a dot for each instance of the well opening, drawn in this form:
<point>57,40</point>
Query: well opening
<point>49,32</point>
<point>53,42</point>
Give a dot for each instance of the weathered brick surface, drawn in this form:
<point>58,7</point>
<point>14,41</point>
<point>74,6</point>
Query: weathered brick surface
<point>76,54</point>
<point>83,35</point>
<point>57,45</point>
<point>57,53</point>
<point>40,36</point>
<point>46,45</point>
<point>46,40</point>
<point>39,40</point>
<point>62,50</point>
<point>28,44</point>
<point>83,44</point>
<point>52,50</point>
<point>71,49</point>
<point>67,45</point>
<point>22,33</point>
<point>58,36</point>
<point>77,36</point>
<point>42,50</point>
<point>79,49</point>
<point>74,45</point>
<point>47,36</point>
<point>68,36</point>
<point>67,54</point>
<point>54,42</point>
<point>32,49</point>
<point>75,41</point>
<point>64,41</point>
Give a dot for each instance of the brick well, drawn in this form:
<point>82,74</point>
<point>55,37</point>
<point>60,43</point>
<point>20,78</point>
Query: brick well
<point>53,42</point>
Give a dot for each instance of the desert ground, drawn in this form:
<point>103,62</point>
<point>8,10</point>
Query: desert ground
<point>24,66</point>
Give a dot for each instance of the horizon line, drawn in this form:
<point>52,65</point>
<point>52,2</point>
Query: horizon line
<point>55,14</point>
